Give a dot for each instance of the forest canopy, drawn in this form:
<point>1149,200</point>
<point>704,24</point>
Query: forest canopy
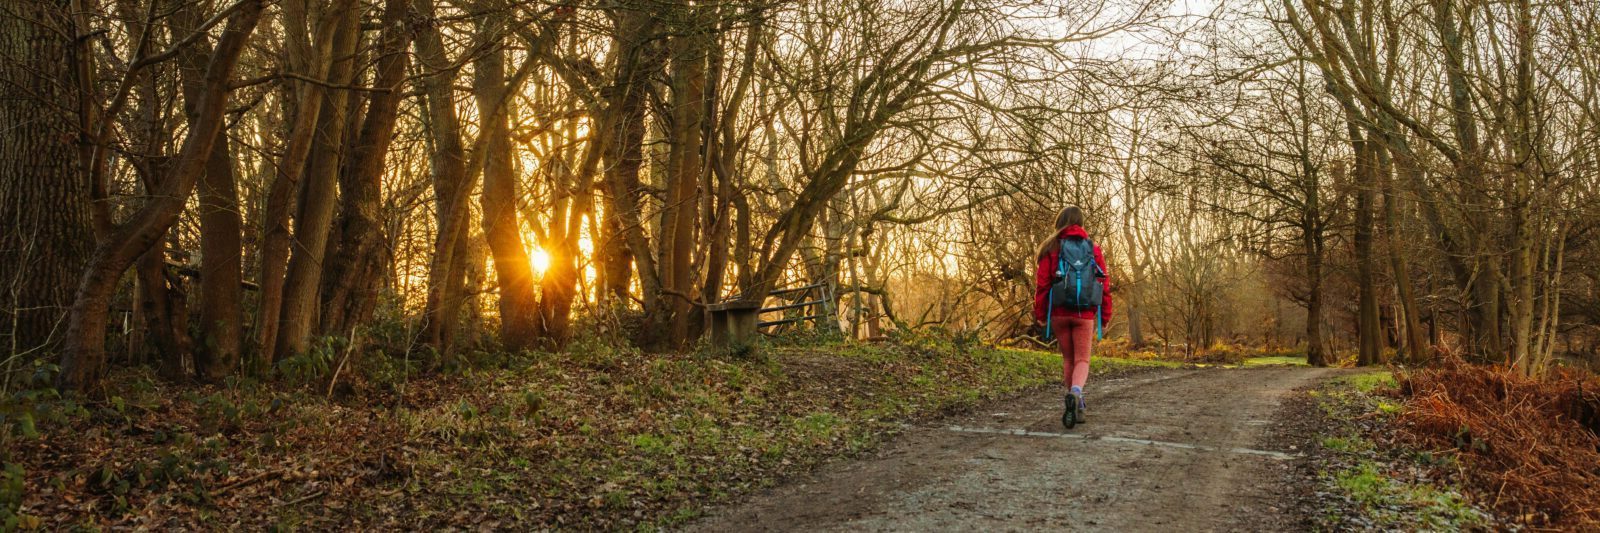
<point>215,187</point>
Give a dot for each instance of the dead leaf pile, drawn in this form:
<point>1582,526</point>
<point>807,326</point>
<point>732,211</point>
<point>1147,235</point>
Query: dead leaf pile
<point>1529,446</point>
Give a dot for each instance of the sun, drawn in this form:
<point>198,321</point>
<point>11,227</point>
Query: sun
<point>539,260</point>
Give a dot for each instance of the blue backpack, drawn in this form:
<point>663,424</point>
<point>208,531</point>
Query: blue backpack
<point>1077,284</point>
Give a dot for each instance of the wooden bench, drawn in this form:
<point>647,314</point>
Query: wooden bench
<point>733,323</point>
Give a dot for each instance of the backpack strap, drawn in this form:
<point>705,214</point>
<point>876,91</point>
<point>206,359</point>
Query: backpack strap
<point>1099,325</point>
<point>1097,270</point>
<point>1049,312</point>
<point>1061,257</point>
<point>1050,300</point>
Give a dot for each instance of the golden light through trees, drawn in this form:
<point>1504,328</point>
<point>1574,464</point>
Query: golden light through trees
<point>539,259</point>
<point>500,170</point>
<point>366,202</point>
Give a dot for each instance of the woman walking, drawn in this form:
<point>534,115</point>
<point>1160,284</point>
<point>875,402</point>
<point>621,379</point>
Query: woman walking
<point>1072,298</point>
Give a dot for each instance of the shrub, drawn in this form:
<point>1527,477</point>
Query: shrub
<point>1529,445</point>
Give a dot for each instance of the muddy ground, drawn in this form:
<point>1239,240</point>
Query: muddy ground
<point>1166,450</point>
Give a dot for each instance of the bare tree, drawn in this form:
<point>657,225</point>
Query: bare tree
<point>83,360</point>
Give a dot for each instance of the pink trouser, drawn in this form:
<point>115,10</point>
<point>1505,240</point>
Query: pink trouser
<point>1076,336</point>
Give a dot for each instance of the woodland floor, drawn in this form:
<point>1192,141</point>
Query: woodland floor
<point>1171,449</point>
<point>593,438</point>
<point>918,434</point>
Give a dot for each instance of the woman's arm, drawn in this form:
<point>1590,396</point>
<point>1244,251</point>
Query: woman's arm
<point>1105,295</point>
<point>1042,273</point>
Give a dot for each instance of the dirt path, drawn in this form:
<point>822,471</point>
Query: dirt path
<point>1161,451</point>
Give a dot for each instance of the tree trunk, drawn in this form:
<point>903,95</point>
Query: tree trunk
<point>558,286</point>
<point>689,49</point>
<point>723,152</point>
<point>1415,345</point>
<point>474,259</point>
<point>625,117</point>
<point>1483,314</point>
<point>83,361</point>
<point>44,200</point>
<point>624,153</point>
<point>163,307</point>
<point>1527,235</point>
<point>221,252</point>
<point>1484,306</point>
<point>221,274</point>
<point>318,196</point>
<point>1134,286</point>
<point>741,242</point>
<point>519,318</point>
<point>282,199</point>
<point>451,187</point>
<point>614,259</point>
<point>1316,349</point>
<point>717,255</point>
<point>1368,329</point>
<point>356,271</point>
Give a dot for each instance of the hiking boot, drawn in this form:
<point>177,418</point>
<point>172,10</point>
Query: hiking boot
<point>1082,408</point>
<point>1069,417</point>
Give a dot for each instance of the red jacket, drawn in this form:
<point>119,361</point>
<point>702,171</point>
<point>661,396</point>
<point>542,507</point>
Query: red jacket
<point>1044,275</point>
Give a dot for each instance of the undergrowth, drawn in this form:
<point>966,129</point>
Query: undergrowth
<point>1528,447</point>
<point>597,436</point>
<point>1371,484</point>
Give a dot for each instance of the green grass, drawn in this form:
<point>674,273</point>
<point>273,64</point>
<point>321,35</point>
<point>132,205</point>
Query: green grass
<point>1366,382</point>
<point>1113,364</point>
<point>1389,408</point>
<point>1388,500</point>
<point>1346,444</point>
<point>1277,360</point>
<point>1432,508</point>
<point>1025,362</point>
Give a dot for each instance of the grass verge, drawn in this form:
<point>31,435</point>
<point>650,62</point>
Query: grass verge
<point>1275,360</point>
<point>597,437</point>
<point>1366,482</point>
